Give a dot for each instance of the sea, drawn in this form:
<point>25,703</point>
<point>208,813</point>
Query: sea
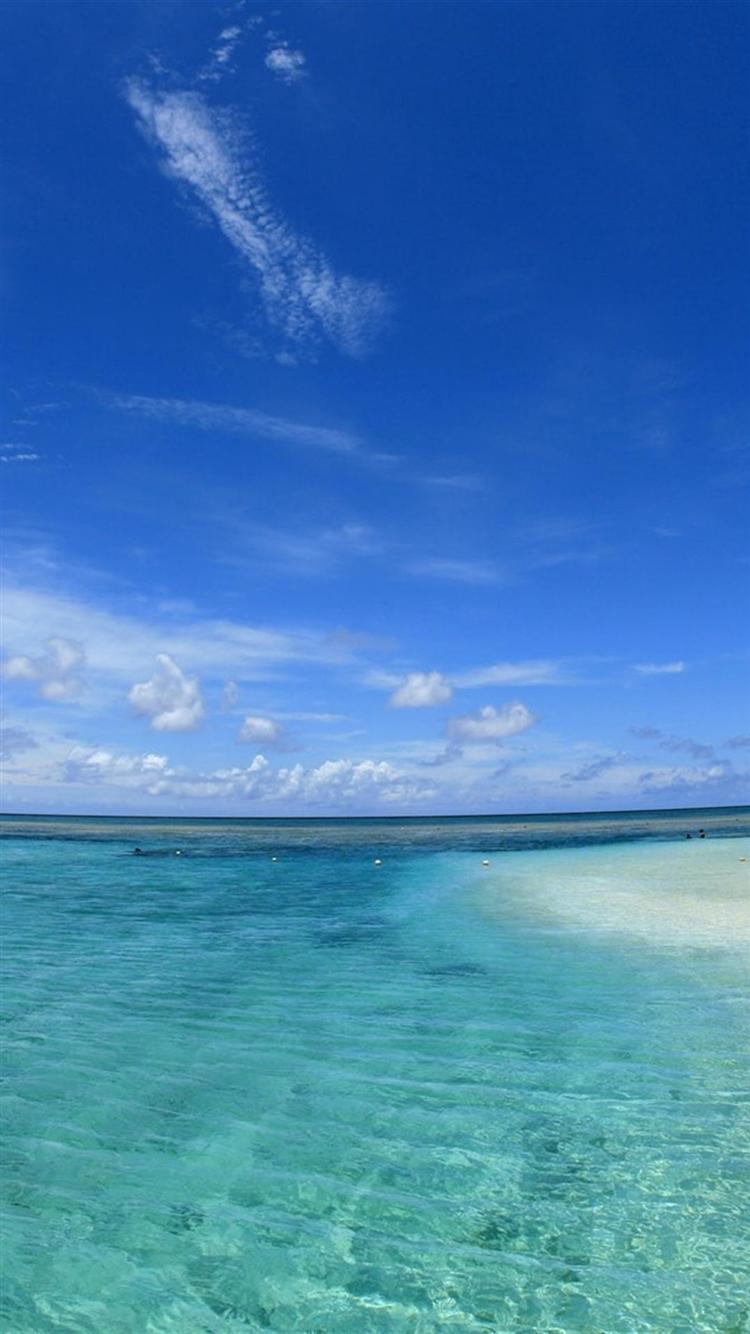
<point>388,1075</point>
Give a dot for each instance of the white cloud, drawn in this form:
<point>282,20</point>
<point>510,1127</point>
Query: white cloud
<point>13,453</point>
<point>456,571</point>
<point>489,725</point>
<point>86,765</point>
<point>221,56</point>
<point>263,731</point>
<point>303,296</point>
<point>421,690</point>
<point>334,783</point>
<point>119,646</point>
<point>55,673</point>
<point>287,64</point>
<point>660,668</point>
<point>237,421</point>
<point>171,700</point>
<point>537,672</point>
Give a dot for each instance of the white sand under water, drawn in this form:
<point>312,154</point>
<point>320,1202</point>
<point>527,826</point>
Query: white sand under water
<point>692,893</point>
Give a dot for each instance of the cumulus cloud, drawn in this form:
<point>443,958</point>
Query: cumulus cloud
<point>86,765</point>
<point>265,732</point>
<point>660,668</point>
<point>302,294</point>
<point>56,673</point>
<point>334,783</point>
<point>169,699</point>
<point>489,725</point>
<point>421,690</point>
<point>286,64</point>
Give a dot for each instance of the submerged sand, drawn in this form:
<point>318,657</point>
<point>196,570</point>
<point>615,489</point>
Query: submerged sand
<point>691,893</point>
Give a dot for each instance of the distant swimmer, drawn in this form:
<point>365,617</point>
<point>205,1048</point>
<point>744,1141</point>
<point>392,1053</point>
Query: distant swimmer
<point>137,852</point>
<point>688,836</point>
<point>701,833</point>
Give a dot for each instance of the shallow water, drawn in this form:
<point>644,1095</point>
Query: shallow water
<point>317,1094</point>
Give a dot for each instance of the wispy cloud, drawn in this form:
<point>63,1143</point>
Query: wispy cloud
<point>456,571</point>
<point>236,421</point>
<point>220,59</point>
<point>302,554</point>
<point>660,668</point>
<point>119,646</point>
<point>536,672</point>
<point>595,768</point>
<point>15,453</point>
<point>303,295</point>
<point>699,750</point>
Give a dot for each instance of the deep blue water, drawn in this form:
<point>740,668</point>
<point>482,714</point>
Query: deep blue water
<point>319,1094</point>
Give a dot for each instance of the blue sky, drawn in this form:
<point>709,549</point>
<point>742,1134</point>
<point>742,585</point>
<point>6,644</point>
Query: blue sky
<point>375,403</point>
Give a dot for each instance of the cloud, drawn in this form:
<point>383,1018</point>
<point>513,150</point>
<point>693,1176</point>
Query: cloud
<point>86,765</point>
<point>171,700</point>
<point>287,64</point>
<point>456,571</point>
<point>421,690</point>
<point>237,421</point>
<point>311,553</point>
<point>660,668</point>
<point>302,294</point>
<point>536,672</point>
<point>15,741</point>
<point>595,768</point>
<point>334,783</point>
<point>738,742</point>
<point>489,725</point>
<point>55,673</point>
<point>264,732</point>
<point>699,750</point>
<point>221,56</point>
<point>14,453</point>
<point>679,777</point>
<point>119,646</point>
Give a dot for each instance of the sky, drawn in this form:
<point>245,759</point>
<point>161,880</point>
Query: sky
<point>374,408</point>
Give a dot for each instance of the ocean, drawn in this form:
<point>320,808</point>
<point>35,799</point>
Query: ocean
<point>461,1074</point>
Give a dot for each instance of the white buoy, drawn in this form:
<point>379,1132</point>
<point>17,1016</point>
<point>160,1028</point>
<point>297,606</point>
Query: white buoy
<point>274,859</point>
<point>377,862</point>
<point>485,861</point>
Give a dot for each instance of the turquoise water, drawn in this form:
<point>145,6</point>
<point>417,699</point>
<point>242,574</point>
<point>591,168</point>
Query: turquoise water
<point>321,1095</point>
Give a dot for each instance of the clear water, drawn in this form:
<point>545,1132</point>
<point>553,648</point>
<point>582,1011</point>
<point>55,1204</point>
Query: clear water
<point>321,1095</point>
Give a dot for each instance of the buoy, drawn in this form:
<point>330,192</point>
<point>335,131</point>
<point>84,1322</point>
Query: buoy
<point>485,861</point>
<point>377,862</point>
<point>274,859</point>
<point>178,852</point>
